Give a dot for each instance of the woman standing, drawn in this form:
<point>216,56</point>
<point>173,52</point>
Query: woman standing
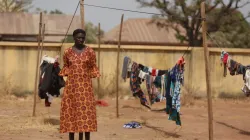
<point>78,108</point>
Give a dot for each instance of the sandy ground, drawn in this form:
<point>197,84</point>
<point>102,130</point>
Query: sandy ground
<point>231,121</point>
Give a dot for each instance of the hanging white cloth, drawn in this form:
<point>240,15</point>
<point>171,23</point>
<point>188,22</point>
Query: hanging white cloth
<point>142,74</point>
<point>246,87</point>
<point>49,59</point>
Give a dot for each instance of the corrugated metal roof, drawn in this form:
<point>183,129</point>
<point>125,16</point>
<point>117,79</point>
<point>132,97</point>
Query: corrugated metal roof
<point>28,24</point>
<point>142,31</point>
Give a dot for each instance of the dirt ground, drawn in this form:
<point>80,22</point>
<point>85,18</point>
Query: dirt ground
<point>231,121</point>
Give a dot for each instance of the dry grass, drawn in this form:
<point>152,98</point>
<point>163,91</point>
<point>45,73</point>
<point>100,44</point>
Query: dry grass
<point>16,121</point>
<point>9,89</point>
<point>21,122</point>
<point>109,89</point>
<point>17,116</point>
<point>238,96</point>
<point>188,96</point>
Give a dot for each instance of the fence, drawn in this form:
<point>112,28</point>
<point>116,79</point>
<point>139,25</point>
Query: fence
<point>18,62</point>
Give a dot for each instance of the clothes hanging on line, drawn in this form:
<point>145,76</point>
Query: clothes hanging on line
<point>50,82</point>
<point>154,82</point>
<point>175,78</point>
<point>161,85</point>
<point>236,68</point>
<point>138,74</point>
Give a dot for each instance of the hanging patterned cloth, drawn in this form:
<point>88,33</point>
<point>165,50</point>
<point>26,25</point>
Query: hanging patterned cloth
<point>135,85</point>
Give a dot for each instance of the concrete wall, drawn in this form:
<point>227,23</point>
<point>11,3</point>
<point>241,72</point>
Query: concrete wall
<point>18,63</point>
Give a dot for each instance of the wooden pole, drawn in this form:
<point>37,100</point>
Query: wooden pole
<point>37,65</point>
<point>82,13</point>
<point>206,53</point>
<point>43,36</point>
<point>117,72</point>
<point>99,47</point>
<point>41,53</point>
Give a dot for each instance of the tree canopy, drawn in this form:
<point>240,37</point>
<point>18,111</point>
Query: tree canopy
<point>91,34</point>
<point>15,5</point>
<point>223,16</point>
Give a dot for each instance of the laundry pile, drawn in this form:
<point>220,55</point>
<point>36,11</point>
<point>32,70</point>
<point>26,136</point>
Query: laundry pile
<point>161,85</point>
<point>236,68</point>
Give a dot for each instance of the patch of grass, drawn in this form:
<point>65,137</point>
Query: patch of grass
<point>7,85</point>
<point>9,89</point>
<point>108,90</point>
<point>51,121</point>
<point>189,95</point>
<point>238,96</point>
<point>21,94</point>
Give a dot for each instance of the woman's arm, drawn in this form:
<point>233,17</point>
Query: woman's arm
<point>94,71</point>
<point>65,69</point>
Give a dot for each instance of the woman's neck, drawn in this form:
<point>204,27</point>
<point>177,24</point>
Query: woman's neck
<point>80,47</point>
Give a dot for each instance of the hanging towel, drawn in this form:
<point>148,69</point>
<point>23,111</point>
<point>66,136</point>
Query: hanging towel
<point>150,69</point>
<point>149,89</point>
<point>130,66</point>
<point>126,61</point>
<point>142,74</point>
<point>246,87</point>
<point>162,87</point>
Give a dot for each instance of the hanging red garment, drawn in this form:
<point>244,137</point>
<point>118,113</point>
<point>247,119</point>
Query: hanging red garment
<point>181,61</point>
<point>225,58</point>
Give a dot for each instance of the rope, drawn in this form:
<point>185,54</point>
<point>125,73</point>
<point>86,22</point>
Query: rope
<point>216,43</point>
<point>70,23</point>
<point>126,10</point>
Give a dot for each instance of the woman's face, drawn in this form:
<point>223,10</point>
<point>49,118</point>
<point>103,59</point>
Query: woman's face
<point>79,39</point>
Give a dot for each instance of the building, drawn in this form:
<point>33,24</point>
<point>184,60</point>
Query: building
<point>143,32</point>
<point>25,26</point>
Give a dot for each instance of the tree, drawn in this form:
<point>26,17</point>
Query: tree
<point>91,34</point>
<point>187,15</point>
<point>235,35</point>
<point>15,5</point>
<point>38,10</point>
<point>56,11</point>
